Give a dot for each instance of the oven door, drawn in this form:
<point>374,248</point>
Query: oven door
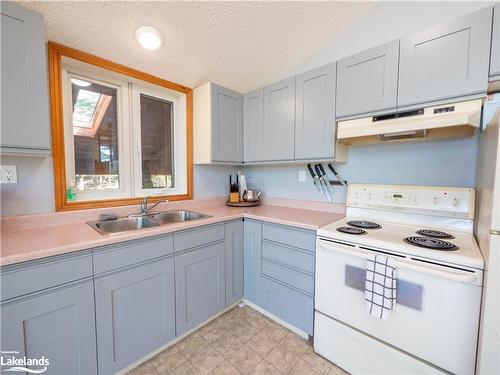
<point>436,316</point>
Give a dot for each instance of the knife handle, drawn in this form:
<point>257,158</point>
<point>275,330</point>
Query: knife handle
<point>332,169</point>
<point>321,169</point>
<point>311,171</point>
<point>318,172</point>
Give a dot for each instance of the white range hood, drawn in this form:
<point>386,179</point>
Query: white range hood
<point>454,120</point>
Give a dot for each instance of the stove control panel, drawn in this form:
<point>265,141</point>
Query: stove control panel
<point>429,200</point>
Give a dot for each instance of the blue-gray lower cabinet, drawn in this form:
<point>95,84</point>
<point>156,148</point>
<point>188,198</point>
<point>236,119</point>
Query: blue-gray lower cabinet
<point>200,285</point>
<point>135,312</point>
<point>279,271</point>
<point>252,259</point>
<point>58,324</point>
<point>234,261</point>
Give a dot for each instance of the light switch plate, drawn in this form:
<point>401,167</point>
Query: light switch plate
<point>8,174</point>
<point>302,176</point>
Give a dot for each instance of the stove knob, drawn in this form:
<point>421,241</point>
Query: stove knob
<point>455,201</point>
<point>435,201</point>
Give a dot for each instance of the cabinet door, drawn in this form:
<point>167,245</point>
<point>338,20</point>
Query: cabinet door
<point>135,313</point>
<point>447,61</point>
<point>253,118</point>
<point>58,324</point>
<point>279,120</point>
<point>234,262</point>
<point>367,82</point>
<point>252,260</point>
<point>200,281</point>
<point>315,113</point>
<point>227,125</point>
<point>24,93</point>
<point>495,44</point>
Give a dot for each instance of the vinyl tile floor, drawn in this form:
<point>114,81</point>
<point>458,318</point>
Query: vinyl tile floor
<point>242,341</point>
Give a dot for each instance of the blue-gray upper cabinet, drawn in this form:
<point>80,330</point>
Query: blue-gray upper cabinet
<point>495,45</point>
<point>315,113</point>
<point>227,122</point>
<point>367,82</point>
<point>279,121</point>
<point>24,93</point>
<point>200,280</point>
<point>234,261</point>
<point>252,259</point>
<point>217,125</point>
<point>135,312</point>
<point>58,324</point>
<point>446,61</point>
<point>253,121</point>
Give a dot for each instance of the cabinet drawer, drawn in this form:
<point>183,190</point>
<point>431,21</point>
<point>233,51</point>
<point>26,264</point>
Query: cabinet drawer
<point>291,306</point>
<point>196,237</point>
<point>28,277</point>
<point>288,276</point>
<point>120,255</point>
<point>303,260</point>
<point>302,238</point>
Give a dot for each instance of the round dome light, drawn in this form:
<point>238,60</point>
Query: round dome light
<point>148,37</point>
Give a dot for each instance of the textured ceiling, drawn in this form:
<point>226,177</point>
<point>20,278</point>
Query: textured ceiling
<point>241,45</point>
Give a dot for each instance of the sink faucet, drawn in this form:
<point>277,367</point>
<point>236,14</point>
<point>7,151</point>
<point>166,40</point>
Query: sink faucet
<point>144,205</point>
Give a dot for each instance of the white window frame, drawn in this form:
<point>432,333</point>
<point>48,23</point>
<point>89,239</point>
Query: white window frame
<point>129,131</point>
<point>179,139</point>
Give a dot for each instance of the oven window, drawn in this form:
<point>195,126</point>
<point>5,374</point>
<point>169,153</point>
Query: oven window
<point>407,294</point>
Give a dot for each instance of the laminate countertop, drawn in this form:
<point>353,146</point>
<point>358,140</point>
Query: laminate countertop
<point>25,238</point>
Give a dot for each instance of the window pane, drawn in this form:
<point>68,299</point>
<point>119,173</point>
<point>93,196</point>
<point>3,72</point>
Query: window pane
<point>156,143</point>
<point>95,134</point>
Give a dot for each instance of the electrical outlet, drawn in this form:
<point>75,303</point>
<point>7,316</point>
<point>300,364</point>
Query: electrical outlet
<point>8,174</point>
<point>302,176</point>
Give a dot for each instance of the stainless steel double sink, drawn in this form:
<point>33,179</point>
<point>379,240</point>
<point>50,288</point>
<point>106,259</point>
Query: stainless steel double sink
<point>126,224</point>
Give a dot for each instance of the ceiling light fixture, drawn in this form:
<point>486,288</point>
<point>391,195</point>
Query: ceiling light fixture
<point>80,82</point>
<point>148,37</point>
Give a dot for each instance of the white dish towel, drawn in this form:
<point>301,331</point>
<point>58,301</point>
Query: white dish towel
<point>380,285</point>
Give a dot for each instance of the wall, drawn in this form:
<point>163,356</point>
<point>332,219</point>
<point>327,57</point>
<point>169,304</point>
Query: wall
<point>449,162</point>
<point>34,192</point>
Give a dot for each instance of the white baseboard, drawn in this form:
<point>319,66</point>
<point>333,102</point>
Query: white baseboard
<point>292,328</point>
<point>174,341</point>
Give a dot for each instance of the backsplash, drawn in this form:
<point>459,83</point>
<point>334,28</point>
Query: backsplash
<point>445,163</point>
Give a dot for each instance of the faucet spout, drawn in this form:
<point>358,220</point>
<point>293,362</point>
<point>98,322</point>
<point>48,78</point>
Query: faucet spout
<point>144,206</point>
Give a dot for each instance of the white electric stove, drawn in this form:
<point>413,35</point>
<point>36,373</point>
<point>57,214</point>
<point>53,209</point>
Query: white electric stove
<point>427,231</point>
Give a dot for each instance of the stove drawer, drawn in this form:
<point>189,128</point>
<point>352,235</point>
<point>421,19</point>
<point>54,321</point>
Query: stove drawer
<point>361,354</point>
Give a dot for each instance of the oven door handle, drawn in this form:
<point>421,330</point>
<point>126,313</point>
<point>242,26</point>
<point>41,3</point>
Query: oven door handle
<point>465,277</point>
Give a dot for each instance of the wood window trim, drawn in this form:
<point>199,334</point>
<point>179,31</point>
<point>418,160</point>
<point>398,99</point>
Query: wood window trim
<point>55,54</point>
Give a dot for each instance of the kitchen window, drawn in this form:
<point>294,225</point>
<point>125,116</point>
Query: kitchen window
<point>123,137</point>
